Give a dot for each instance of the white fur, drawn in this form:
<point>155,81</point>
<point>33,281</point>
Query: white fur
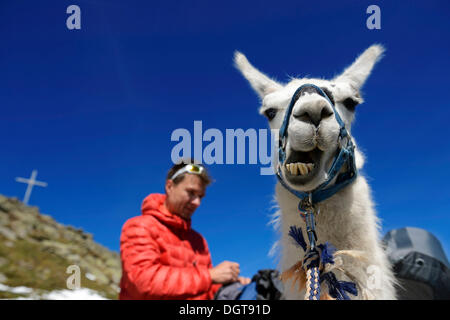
<point>347,220</point>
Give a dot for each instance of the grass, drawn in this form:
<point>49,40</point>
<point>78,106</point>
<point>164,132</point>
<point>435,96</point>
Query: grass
<point>30,266</point>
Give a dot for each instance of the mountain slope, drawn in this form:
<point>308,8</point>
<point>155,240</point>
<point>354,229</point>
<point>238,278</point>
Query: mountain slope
<point>36,251</point>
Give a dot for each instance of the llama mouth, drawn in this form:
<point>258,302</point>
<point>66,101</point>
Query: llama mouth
<point>300,166</point>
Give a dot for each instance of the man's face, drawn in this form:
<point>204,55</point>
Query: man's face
<point>185,197</point>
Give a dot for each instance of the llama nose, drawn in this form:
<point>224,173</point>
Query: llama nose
<point>313,112</point>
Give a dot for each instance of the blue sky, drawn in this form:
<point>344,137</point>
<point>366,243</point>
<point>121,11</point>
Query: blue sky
<point>93,109</point>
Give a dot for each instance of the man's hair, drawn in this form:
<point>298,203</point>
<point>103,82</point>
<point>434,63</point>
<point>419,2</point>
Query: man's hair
<point>204,175</point>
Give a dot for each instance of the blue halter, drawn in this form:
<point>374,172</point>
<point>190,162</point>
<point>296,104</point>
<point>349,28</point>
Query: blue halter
<point>346,155</point>
<point>315,255</point>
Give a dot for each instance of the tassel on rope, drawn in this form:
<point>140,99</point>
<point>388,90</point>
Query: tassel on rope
<point>338,288</point>
<point>310,271</point>
<point>297,235</point>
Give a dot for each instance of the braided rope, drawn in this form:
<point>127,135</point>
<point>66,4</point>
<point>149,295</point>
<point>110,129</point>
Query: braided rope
<point>312,284</point>
<point>311,265</point>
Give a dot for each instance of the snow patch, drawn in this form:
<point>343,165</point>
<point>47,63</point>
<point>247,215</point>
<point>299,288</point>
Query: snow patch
<point>17,290</point>
<point>90,276</point>
<point>77,294</point>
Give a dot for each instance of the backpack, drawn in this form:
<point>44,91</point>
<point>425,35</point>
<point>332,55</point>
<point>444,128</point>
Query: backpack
<point>419,263</point>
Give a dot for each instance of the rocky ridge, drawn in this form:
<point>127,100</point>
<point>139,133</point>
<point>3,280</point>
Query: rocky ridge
<point>36,251</point>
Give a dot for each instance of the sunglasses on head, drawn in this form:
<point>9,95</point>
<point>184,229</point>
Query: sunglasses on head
<point>189,168</point>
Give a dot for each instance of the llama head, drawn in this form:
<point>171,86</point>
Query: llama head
<point>313,131</point>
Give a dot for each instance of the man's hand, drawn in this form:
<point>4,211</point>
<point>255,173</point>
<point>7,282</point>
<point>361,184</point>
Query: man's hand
<point>225,272</point>
<point>244,280</point>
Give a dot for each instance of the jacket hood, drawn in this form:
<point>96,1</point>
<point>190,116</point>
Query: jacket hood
<point>153,205</point>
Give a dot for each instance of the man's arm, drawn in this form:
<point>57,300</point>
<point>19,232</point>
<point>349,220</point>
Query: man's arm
<point>152,280</point>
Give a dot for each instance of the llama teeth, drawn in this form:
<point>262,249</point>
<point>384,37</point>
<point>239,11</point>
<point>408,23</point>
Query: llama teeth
<point>303,169</point>
<point>299,168</point>
<point>294,169</point>
<point>306,168</point>
<point>290,167</point>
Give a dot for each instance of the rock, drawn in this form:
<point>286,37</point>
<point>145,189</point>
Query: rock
<point>4,218</point>
<point>3,199</point>
<point>3,278</point>
<point>87,236</point>
<point>112,262</point>
<point>20,229</point>
<point>50,231</point>
<point>46,219</point>
<point>115,288</point>
<point>75,258</point>
<point>58,248</point>
<point>7,233</point>
<point>10,204</point>
<point>117,274</point>
<point>90,276</point>
<point>24,216</point>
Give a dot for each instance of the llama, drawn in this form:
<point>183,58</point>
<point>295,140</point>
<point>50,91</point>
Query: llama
<point>347,220</point>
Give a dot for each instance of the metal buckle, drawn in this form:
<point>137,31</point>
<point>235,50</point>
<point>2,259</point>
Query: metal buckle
<point>311,229</point>
<point>309,210</point>
<point>306,203</point>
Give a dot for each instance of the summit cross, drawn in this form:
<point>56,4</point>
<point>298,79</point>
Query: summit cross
<point>31,183</point>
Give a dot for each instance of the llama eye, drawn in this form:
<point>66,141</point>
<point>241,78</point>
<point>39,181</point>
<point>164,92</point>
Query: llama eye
<point>270,113</point>
<point>350,104</point>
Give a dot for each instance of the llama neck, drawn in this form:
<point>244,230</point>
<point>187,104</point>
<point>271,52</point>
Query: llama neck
<point>346,220</point>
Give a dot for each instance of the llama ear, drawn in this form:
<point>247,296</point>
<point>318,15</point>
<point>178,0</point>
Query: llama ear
<point>360,70</point>
<point>261,83</point>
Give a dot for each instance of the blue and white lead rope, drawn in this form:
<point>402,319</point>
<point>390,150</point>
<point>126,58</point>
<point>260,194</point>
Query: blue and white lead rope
<point>314,263</point>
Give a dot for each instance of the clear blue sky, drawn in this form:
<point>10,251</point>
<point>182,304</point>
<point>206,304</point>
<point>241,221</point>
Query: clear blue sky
<point>93,109</point>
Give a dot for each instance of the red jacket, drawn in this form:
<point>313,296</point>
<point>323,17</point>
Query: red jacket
<point>162,257</point>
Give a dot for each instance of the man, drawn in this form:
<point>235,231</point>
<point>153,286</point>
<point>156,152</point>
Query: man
<point>162,256</point>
